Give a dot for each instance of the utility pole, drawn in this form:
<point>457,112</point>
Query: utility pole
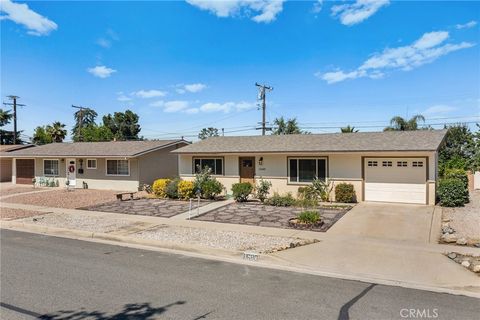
<point>80,122</point>
<point>262,89</point>
<point>14,104</point>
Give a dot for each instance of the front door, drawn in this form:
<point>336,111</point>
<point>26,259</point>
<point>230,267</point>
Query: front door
<point>71,172</point>
<point>247,169</point>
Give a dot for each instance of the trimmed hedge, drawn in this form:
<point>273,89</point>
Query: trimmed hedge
<point>172,189</point>
<point>241,191</point>
<point>281,201</point>
<point>186,189</point>
<point>344,192</point>
<point>462,176</point>
<point>211,188</point>
<point>159,187</point>
<point>452,192</point>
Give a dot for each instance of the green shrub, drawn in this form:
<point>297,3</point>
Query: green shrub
<point>241,191</point>
<point>451,192</point>
<point>172,189</point>
<point>323,188</point>
<point>159,187</point>
<point>344,192</point>
<point>186,189</point>
<point>461,175</point>
<point>263,189</point>
<point>281,201</point>
<point>309,217</point>
<point>211,188</point>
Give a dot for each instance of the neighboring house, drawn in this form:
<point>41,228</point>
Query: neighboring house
<point>115,165</point>
<point>392,166</point>
<point>6,159</point>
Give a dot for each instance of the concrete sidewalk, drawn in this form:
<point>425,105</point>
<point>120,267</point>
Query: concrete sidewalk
<point>417,265</point>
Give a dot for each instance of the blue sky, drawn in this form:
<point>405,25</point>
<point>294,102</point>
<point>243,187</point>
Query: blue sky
<point>184,65</point>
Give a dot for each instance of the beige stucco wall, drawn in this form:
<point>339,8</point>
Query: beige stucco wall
<point>159,164</point>
<point>342,167</point>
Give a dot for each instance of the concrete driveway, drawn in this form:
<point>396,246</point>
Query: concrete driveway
<point>386,221</point>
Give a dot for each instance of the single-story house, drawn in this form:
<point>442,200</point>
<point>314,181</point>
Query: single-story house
<point>114,165</point>
<point>6,159</point>
<point>391,166</point>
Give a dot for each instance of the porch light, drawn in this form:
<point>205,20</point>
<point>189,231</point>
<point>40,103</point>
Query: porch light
<point>260,161</point>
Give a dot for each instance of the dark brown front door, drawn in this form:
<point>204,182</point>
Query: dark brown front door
<point>247,169</point>
<point>25,171</point>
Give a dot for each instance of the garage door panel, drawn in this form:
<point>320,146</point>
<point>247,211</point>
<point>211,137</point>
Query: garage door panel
<point>25,170</point>
<point>388,181</point>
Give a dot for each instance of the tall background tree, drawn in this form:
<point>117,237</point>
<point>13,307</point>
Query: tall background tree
<point>207,133</point>
<point>6,136</point>
<point>57,131</point>
<point>348,129</point>
<point>123,125</point>
<point>289,126</point>
<point>40,136</point>
<point>83,118</point>
<point>398,123</point>
<point>460,149</point>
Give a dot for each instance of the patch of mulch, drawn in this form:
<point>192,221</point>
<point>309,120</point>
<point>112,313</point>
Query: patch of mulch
<point>257,214</point>
<point>13,214</point>
<point>63,198</point>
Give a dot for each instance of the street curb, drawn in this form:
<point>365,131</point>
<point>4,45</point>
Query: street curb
<point>217,254</point>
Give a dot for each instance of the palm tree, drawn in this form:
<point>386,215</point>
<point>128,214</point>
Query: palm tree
<point>290,126</point>
<point>5,117</point>
<point>398,123</point>
<point>348,129</point>
<point>57,131</point>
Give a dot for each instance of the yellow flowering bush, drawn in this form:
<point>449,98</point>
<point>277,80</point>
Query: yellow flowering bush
<point>186,189</point>
<point>160,187</point>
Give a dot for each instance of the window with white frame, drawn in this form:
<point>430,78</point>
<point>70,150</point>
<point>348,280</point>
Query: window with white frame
<point>50,167</point>
<point>372,163</point>
<point>386,163</point>
<point>417,164</point>
<point>302,170</point>
<point>118,167</point>
<point>91,163</point>
<point>215,164</point>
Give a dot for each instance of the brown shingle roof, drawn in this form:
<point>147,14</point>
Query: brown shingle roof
<point>421,140</point>
<point>98,149</point>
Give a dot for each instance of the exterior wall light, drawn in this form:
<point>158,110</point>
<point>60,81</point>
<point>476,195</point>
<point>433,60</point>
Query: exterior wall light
<point>260,161</point>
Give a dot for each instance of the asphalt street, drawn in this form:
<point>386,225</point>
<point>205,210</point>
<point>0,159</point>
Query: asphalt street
<point>55,278</point>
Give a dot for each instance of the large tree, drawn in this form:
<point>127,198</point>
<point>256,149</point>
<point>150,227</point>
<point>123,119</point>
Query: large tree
<point>348,129</point>
<point>289,126</point>
<point>207,133</point>
<point>458,150</point>
<point>57,131</point>
<point>5,117</point>
<point>40,136</point>
<point>123,125</point>
<point>398,123</point>
<point>84,116</point>
<point>96,133</point>
<point>6,136</point>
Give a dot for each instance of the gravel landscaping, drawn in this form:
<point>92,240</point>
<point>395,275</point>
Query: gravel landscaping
<point>472,263</point>
<point>12,214</point>
<point>229,240</point>
<point>258,214</point>
<point>148,207</point>
<point>79,222</point>
<point>462,225</point>
<point>7,188</point>
<point>61,198</point>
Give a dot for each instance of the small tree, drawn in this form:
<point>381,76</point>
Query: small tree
<point>207,133</point>
<point>262,189</point>
<point>398,123</point>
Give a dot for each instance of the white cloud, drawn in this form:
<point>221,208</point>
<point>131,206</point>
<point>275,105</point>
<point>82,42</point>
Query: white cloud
<point>122,97</point>
<point>101,71</point>
<point>36,24</point>
<point>438,110</point>
<point>107,40</point>
<point>193,88</point>
<point>159,103</point>
<point>149,93</point>
<point>427,49</point>
<point>262,10</point>
<point>226,107</point>
<point>360,10</point>
<point>317,6</point>
<point>105,43</point>
<point>192,111</point>
<point>467,25</point>
<point>175,106</point>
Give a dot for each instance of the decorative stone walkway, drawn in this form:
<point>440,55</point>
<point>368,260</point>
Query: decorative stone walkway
<point>257,214</point>
<point>165,208</point>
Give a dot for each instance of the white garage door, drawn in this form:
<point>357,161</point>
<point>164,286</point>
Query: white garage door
<point>396,180</point>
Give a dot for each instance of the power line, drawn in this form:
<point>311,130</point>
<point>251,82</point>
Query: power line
<point>14,104</point>
<point>262,89</point>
